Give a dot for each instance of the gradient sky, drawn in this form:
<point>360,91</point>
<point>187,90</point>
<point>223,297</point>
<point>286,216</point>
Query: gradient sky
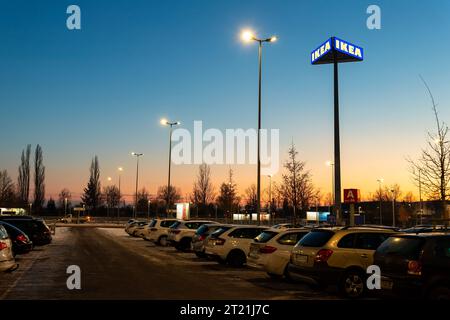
<point>102,90</point>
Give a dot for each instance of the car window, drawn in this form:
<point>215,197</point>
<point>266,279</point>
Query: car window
<point>220,231</point>
<point>152,224</point>
<point>202,230</point>
<point>175,224</point>
<point>245,233</point>
<point>347,241</point>
<point>193,225</point>
<point>291,239</point>
<point>167,223</point>
<point>442,249</point>
<point>316,238</point>
<point>265,236</point>
<point>407,247</point>
<point>369,241</point>
<point>3,233</point>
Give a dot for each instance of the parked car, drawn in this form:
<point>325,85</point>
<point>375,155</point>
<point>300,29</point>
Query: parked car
<point>181,232</point>
<point>415,265</point>
<point>36,229</point>
<point>337,256</point>
<point>201,236</point>
<point>7,261</point>
<point>21,244</point>
<point>283,226</point>
<point>132,226</point>
<point>231,244</point>
<point>271,250</point>
<point>141,230</point>
<point>157,232</point>
<point>426,228</point>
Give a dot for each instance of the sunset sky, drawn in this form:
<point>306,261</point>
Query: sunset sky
<point>102,90</point>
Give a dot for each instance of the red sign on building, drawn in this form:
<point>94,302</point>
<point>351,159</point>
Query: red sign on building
<point>351,196</point>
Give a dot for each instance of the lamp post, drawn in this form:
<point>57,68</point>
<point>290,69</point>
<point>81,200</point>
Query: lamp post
<point>148,210</point>
<point>248,36</point>
<point>380,181</point>
<point>65,207</point>
<point>137,155</point>
<point>331,164</point>
<point>30,204</point>
<point>166,122</point>
<point>120,169</point>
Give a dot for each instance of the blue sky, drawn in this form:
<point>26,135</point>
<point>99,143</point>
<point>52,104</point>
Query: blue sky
<point>102,90</point>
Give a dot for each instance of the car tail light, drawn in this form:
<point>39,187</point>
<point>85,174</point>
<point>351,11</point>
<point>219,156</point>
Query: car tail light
<point>202,237</point>
<point>176,231</point>
<point>219,242</point>
<point>3,246</point>
<point>21,238</point>
<point>414,267</point>
<point>153,229</point>
<point>267,249</point>
<point>323,255</point>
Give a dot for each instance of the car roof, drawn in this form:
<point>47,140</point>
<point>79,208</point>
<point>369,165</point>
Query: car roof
<point>424,234</point>
<point>241,226</point>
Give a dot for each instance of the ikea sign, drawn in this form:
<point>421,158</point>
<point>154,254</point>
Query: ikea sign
<point>337,49</point>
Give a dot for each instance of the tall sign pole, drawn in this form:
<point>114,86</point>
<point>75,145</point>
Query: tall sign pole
<point>335,51</point>
<point>337,144</point>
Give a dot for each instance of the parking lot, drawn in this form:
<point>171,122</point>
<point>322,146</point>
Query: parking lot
<point>116,266</point>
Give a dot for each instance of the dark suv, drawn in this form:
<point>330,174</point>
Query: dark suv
<point>35,228</point>
<point>415,265</point>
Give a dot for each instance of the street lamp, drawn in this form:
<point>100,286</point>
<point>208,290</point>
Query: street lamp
<point>248,36</point>
<point>120,169</point>
<point>380,181</point>
<point>137,155</point>
<point>65,207</point>
<point>148,210</point>
<point>331,164</point>
<point>30,204</point>
<point>166,122</point>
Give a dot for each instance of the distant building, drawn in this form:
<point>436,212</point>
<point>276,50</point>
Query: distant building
<point>12,211</point>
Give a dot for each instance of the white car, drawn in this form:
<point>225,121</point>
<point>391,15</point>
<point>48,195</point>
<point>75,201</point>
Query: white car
<point>131,228</point>
<point>283,226</point>
<point>7,261</point>
<point>158,230</point>
<point>201,237</point>
<point>271,250</point>
<point>231,244</point>
<point>181,233</point>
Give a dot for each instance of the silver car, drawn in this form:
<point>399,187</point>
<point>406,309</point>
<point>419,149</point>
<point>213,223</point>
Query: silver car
<point>7,261</point>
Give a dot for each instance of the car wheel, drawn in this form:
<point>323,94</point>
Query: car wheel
<point>185,244</point>
<point>236,258</point>
<point>439,293</point>
<point>273,275</point>
<point>162,241</point>
<point>353,284</point>
<point>200,254</point>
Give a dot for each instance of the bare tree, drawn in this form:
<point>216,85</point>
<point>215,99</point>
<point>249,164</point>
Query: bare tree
<point>7,197</point>
<point>23,180</point>
<point>203,190</point>
<point>392,193</point>
<point>409,197</point>
<point>174,195</point>
<point>432,170</point>
<point>63,195</point>
<point>39,179</point>
<point>112,197</point>
<point>251,197</point>
<point>297,187</point>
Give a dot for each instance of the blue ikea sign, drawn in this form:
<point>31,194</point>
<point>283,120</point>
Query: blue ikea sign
<point>337,49</point>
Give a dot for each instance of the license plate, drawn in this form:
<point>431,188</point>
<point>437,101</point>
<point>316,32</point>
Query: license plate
<point>300,258</point>
<point>386,284</point>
